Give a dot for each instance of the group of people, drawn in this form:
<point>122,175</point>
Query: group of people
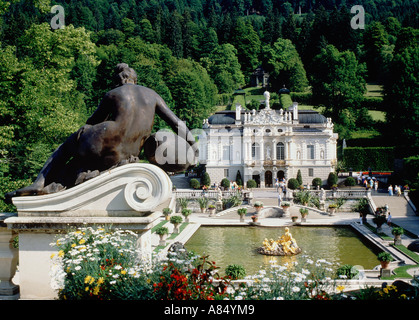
<point>396,191</point>
<point>368,182</point>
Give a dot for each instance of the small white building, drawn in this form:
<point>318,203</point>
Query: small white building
<point>268,144</point>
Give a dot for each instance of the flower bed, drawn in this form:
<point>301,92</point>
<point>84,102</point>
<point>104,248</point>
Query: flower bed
<point>100,264</point>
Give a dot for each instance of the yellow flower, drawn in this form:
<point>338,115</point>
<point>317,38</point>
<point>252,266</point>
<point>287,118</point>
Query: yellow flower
<point>61,253</point>
<point>100,281</point>
<point>87,289</point>
<point>340,288</point>
<point>73,245</point>
<point>58,243</point>
<point>385,290</point>
<point>52,256</point>
<point>403,296</point>
<point>96,290</point>
<point>87,279</point>
<point>82,241</point>
<point>123,271</point>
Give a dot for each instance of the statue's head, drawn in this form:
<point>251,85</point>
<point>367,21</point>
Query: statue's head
<point>124,74</point>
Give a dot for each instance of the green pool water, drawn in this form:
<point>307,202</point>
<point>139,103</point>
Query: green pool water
<point>237,245</point>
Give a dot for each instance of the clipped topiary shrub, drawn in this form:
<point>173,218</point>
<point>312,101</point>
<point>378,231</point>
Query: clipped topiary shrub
<point>251,184</point>
<point>194,183</point>
<point>293,184</point>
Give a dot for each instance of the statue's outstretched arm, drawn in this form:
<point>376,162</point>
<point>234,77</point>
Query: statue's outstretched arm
<point>174,122</point>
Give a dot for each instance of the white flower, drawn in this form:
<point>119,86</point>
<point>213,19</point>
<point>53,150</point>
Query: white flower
<point>117,267</point>
<point>309,261</point>
<point>112,282</point>
<point>295,289</point>
<point>238,298</point>
<point>343,276</point>
<point>77,268</point>
<point>305,271</point>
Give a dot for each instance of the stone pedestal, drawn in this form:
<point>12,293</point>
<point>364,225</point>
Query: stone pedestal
<point>8,261</point>
<point>127,197</point>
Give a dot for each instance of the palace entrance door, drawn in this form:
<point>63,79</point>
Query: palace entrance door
<point>268,179</point>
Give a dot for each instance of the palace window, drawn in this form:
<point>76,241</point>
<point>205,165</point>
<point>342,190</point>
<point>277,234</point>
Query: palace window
<point>310,152</point>
<point>280,151</point>
<point>255,151</point>
<point>226,152</point>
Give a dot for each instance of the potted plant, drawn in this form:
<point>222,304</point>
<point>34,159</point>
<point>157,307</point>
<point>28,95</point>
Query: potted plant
<point>235,271</point>
<point>286,207</point>
<point>162,232</point>
<point>258,206</point>
<point>203,203</point>
<point>241,212</point>
<point>211,209</point>
<point>332,209</point>
<point>176,221</point>
<point>304,213</point>
<point>397,232</point>
<point>167,212</point>
<point>186,213</point>
<point>379,220</point>
<point>385,258</point>
<point>255,218</point>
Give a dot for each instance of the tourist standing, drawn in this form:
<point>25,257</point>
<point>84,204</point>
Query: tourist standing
<point>279,198</point>
<point>399,191</point>
<point>390,190</point>
<point>389,219</point>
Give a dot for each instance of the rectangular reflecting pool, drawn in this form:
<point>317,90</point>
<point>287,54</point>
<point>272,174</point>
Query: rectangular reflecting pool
<point>237,245</point>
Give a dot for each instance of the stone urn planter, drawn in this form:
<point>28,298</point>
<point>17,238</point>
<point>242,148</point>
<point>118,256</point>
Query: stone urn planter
<point>211,210</point>
<point>397,232</point>
<point>286,207</point>
<point>255,218</point>
<point>186,213</point>
<point>176,221</point>
<point>332,209</point>
<point>385,258</point>
<point>167,212</point>
<point>304,213</point>
<point>242,212</point>
<point>294,218</point>
<point>162,232</point>
<point>258,206</point>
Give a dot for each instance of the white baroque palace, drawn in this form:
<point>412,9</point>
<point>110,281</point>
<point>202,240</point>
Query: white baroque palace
<point>268,144</point>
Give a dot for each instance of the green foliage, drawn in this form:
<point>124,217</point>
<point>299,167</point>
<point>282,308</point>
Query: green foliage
<point>206,180</point>
<point>350,182</point>
<point>194,183</point>
<point>293,184</point>
<point>239,180</point>
<point>299,177</point>
<point>225,183</point>
<point>347,271</point>
<point>337,80</point>
<point>235,271</point>
<point>186,212</point>
<point>251,184</point>
<point>162,231</point>
<point>332,179</point>
<point>384,256</point>
<point>377,158</point>
<point>317,182</point>
<point>203,202</point>
<point>283,63</point>
<point>176,219</point>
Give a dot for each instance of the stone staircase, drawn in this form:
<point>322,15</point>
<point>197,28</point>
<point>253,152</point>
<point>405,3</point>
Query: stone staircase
<point>398,205</point>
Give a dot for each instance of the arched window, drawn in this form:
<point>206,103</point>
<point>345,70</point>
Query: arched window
<point>255,151</point>
<point>280,151</point>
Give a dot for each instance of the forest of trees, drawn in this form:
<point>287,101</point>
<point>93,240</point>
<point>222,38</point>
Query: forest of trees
<point>194,52</point>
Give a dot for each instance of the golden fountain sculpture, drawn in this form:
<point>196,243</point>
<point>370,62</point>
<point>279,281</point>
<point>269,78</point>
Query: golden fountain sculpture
<point>284,246</point>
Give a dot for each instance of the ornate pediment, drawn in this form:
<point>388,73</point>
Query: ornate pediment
<point>269,116</point>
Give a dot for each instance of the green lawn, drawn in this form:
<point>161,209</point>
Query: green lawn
<point>374,90</point>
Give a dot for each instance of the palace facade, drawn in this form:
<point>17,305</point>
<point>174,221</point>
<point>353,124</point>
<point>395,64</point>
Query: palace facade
<point>268,144</point>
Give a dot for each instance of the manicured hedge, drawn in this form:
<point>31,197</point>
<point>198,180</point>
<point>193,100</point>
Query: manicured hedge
<point>376,158</point>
